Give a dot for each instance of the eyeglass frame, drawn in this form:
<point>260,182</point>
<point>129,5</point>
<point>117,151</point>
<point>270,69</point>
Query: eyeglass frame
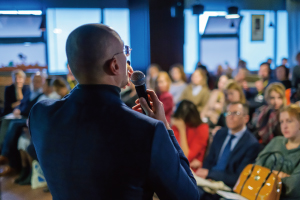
<point>126,50</point>
<point>233,113</point>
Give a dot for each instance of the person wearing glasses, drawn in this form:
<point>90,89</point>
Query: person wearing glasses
<point>90,145</point>
<point>232,149</point>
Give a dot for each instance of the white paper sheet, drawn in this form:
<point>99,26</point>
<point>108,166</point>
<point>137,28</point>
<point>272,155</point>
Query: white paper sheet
<point>230,195</point>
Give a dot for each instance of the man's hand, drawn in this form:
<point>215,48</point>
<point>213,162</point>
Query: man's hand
<point>13,105</point>
<point>157,108</point>
<point>179,123</point>
<point>195,164</point>
<point>281,174</point>
<point>17,112</point>
<point>202,173</point>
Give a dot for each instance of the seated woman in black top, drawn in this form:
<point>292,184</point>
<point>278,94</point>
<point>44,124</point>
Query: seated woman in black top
<point>15,93</point>
<point>282,75</point>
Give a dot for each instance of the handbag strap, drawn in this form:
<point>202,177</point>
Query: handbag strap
<point>252,168</point>
<point>271,170</point>
<point>275,160</point>
<point>262,185</point>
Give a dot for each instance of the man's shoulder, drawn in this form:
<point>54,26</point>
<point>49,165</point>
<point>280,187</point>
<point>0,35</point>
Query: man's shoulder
<point>250,140</point>
<point>221,132</point>
<point>44,105</point>
<point>137,117</point>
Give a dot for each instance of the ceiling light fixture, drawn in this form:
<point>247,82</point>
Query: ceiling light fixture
<point>21,12</point>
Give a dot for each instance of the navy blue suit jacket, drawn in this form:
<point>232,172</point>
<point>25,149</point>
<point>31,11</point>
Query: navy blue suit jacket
<point>90,145</point>
<point>245,152</point>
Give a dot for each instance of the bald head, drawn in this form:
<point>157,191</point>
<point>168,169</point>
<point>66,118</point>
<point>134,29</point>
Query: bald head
<point>89,49</point>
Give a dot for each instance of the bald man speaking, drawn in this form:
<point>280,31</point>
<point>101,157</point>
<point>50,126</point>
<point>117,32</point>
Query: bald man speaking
<point>91,146</point>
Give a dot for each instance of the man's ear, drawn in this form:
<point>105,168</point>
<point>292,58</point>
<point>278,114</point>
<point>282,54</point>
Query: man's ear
<point>246,119</point>
<point>112,67</point>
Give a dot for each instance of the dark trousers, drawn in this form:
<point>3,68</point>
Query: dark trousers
<point>31,151</point>
<point>10,145</point>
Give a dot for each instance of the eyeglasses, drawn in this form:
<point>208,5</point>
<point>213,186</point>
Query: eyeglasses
<point>127,51</point>
<point>233,114</point>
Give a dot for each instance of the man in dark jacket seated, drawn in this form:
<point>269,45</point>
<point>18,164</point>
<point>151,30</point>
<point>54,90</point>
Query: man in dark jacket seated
<point>232,149</point>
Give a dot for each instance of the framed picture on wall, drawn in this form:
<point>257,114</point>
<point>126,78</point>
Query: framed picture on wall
<point>257,33</point>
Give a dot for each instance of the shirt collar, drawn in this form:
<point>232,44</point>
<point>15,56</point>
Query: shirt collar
<point>239,134</point>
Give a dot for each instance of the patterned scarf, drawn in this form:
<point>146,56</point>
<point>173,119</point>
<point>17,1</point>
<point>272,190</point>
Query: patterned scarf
<point>266,128</point>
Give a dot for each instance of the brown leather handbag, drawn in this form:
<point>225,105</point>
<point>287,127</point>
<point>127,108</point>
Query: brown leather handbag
<point>259,183</point>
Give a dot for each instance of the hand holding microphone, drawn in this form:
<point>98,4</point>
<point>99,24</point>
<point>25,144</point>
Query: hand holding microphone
<point>148,101</point>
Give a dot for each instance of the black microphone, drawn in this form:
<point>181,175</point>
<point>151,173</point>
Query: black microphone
<point>138,79</point>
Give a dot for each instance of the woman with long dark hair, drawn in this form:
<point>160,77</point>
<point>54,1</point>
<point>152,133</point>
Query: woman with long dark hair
<point>191,133</point>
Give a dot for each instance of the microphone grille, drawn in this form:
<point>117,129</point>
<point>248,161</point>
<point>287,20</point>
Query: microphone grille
<point>138,78</point>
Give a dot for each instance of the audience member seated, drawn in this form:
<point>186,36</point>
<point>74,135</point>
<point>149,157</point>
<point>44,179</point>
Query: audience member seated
<point>295,97</point>
<point>25,144</point>
<point>265,123</point>
<point>233,148</point>
<point>258,100</point>
<point>296,76</point>
<point>26,160</point>
<point>265,74</point>
<point>163,83</point>
<point>282,75</point>
<point>179,82</point>
<point>15,93</point>
<point>197,91</point>
<point>233,93</point>
<point>48,91</point>
<point>37,81</point>
<point>241,76</point>
<point>152,74</point>
<point>289,146</point>
<point>28,99</point>
<point>216,103</point>
<point>190,132</point>
<point>60,87</point>
<point>241,65</point>
<point>10,152</point>
<point>209,79</point>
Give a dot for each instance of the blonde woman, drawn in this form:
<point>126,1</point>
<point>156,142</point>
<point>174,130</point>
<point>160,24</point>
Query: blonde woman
<point>197,91</point>
<point>16,92</point>
<point>266,119</point>
<point>163,83</point>
<point>289,146</point>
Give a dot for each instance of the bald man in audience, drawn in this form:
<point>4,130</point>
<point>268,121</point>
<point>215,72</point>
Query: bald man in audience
<point>90,145</point>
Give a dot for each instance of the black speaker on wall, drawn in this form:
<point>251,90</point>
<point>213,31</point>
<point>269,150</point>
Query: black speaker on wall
<point>198,9</point>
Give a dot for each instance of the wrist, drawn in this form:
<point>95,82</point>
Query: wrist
<point>167,125</point>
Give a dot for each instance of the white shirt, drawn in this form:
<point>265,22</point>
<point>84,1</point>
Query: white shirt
<point>196,90</point>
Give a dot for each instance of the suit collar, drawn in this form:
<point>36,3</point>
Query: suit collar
<point>222,139</point>
<point>241,143</point>
<point>104,93</point>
